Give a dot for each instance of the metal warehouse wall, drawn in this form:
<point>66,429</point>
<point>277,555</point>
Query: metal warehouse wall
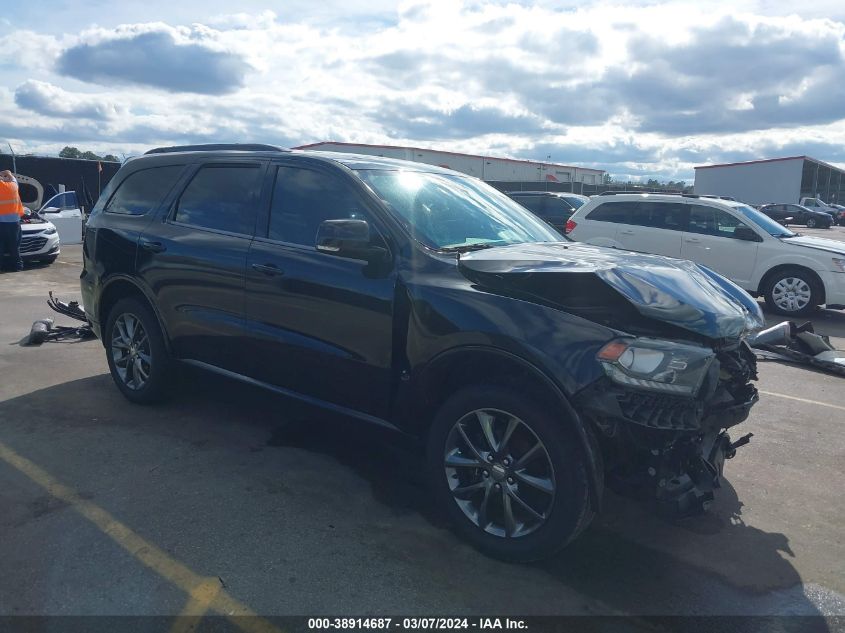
<point>754,183</point>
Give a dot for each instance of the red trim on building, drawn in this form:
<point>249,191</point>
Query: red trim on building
<point>440,151</point>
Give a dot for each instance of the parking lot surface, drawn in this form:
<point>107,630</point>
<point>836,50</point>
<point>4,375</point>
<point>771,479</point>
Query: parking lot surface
<point>231,500</point>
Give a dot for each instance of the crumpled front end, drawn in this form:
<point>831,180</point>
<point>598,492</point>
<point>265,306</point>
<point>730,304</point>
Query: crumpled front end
<point>674,445</point>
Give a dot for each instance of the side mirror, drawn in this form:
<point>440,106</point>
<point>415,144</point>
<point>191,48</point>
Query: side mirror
<point>747,234</point>
<point>347,238</point>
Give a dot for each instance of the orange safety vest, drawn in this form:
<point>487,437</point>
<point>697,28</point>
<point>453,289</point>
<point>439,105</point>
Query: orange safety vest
<point>10,200</point>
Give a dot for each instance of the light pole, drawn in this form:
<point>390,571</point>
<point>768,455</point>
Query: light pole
<point>14,164</point>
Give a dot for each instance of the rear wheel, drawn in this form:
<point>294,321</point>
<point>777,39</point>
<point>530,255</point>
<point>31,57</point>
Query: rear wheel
<point>510,477</point>
<point>792,292</point>
<point>137,357</point>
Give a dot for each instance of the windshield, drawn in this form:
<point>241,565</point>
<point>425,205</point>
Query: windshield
<point>452,212</point>
<point>763,221</point>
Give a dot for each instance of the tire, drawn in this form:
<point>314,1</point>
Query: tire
<point>558,497</point>
<point>149,384</point>
<point>811,223</point>
<point>792,292</point>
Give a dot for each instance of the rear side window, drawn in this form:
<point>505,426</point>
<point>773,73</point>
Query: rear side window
<point>616,212</point>
<point>711,221</point>
<point>557,208</point>
<point>658,215</point>
<point>223,198</point>
<point>532,203</point>
<point>302,198</point>
<point>142,190</point>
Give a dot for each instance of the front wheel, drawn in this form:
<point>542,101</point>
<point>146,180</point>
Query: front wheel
<point>510,477</point>
<point>811,223</point>
<point>792,292</point>
<point>136,353</point>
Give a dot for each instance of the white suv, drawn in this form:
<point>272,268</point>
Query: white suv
<point>794,273</point>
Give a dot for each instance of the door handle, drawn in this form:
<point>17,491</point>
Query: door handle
<point>268,269</point>
<point>154,247</point>
<point>626,232</point>
<point>692,240</point>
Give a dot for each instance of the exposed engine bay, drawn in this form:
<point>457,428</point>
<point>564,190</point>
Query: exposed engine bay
<point>677,380</point>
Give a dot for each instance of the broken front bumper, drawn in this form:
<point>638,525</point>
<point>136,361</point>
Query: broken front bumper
<point>672,445</point>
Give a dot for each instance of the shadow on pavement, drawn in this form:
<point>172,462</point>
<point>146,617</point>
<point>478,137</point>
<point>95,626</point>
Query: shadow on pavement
<point>629,559</point>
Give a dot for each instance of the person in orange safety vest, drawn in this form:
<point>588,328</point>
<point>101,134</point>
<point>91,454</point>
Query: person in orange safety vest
<point>11,212</point>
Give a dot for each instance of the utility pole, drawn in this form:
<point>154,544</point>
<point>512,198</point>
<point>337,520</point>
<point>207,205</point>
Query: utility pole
<point>14,164</point>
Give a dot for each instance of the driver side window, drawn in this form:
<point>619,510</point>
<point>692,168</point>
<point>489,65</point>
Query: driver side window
<point>302,198</point>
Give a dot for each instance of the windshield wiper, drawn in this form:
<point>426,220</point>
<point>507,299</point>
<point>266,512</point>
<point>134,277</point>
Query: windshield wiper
<point>465,248</point>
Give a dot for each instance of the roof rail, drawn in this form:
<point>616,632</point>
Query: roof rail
<point>642,191</point>
<point>216,147</point>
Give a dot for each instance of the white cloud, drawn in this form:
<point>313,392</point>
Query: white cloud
<point>639,89</point>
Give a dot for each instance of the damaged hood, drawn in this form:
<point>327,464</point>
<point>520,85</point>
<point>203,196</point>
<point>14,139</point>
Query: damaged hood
<point>673,291</point>
<point>820,243</point>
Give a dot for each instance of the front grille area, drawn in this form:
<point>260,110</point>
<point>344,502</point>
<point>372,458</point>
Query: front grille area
<point>32,243</point>
<point>660,411</point>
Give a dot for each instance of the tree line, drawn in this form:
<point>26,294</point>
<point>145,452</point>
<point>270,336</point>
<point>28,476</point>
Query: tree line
<point>73,152</point>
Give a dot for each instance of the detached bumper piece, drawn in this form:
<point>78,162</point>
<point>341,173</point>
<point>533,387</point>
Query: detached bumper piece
<point>794,343</point>
<point>672,448</point>
<point>43,330</point>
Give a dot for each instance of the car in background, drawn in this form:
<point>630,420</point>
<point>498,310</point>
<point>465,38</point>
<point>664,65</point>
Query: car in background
<point>796,214</point>
<point>794,273</point>
<point>840,219</point>
<point>39,239</point>
<point>65,213</point>
<point>817,204</point>
<point>554,207</point>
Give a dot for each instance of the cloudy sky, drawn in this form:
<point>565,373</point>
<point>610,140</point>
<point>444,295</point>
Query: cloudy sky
<point>641,89</point>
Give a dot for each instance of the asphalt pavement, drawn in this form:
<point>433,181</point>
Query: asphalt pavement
<point>227,499</point>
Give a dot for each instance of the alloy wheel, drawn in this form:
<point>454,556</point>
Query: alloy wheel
<point>791,294</point>
<point>499,473</point>
<point>130,350</point>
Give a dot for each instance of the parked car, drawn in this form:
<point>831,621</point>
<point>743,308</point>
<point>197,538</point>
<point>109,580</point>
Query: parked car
<point>796,214</point>
<point>840,219</point>
<point>794,273</point>
<point>817,204</point>
<point>552,207</point>
<point>426,302</point>
<point>65,213</point>
<point>39,239</point>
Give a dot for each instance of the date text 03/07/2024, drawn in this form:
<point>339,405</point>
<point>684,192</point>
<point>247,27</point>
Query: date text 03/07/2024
<point>421,623</point>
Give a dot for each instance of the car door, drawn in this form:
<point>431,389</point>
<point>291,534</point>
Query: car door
<point>193,261</point>
<point>709,240</point>
<point>654,227</point>
<point>319,325</point>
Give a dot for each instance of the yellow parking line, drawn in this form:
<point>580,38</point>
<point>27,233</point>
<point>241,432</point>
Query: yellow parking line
<point>199,602</point>
<point>201,590</point>
<point>821,404</point>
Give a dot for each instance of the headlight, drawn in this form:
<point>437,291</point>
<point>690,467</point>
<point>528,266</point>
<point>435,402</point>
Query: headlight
<point>49,231</point>
<point>657,365</point>
<point>839,263</point>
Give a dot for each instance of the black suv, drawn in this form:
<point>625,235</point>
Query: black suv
<point>425,301</point>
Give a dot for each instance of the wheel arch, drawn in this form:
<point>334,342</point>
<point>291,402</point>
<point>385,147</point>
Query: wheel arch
<point>457,368</point>
<point>121,288</point>
<point>774,270</point>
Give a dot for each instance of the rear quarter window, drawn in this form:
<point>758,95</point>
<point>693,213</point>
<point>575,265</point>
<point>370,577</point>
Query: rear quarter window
<point>616,212</point>
<point>141,191</point>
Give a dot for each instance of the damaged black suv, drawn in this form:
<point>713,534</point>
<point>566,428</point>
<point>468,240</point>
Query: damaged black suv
<point>425,301</point>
